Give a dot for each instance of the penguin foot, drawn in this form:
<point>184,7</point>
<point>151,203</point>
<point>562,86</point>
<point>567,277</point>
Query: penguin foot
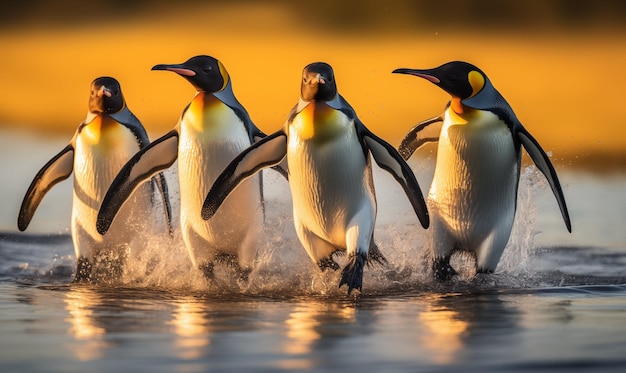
<point>375,255</point>
<point>227,259</point>
<point>102,268</point>
<point>207,269</point>
<point>443,270</point>
<point>83,270</point>
<point>328,262</point>
<point>243,274</point>
<point>352,274</point>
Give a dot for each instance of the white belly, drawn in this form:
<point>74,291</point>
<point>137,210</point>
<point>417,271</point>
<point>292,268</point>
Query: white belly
<point>475,181</point>
<point>101,151</point>
<point>204,151</point>
<point>329,183</point>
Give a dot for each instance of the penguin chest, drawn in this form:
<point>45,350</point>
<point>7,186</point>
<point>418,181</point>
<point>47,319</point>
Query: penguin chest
<point>328,173</point>
<point>476,173</point>
<point>102,147</point>
<point>211,136</point>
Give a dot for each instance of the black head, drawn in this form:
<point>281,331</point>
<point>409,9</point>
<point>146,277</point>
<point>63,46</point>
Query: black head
<point>318,82</point>
<point>205,73</point>
<point>461,80</point>
<point>106,96</point>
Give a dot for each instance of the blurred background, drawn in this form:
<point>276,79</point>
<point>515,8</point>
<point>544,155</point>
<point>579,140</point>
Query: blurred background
<point>560,64</point>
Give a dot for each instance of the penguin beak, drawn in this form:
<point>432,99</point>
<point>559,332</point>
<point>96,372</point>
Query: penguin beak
<point>104,91</point>
<point>421,73</point>
<point>178,69</point>
<point>319,79</point>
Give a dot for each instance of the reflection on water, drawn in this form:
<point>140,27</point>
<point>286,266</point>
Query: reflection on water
<point>191,329</point>
<point>443,331</point>
<point>488,324</point>
<point>301,329</point>
<point>307,324</point>
<point>82,304</point>
<point>487,330</point>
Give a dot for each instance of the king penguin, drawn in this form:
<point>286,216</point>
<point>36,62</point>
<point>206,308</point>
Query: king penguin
<point>101,145</point>
<point>327,150</point>
<point>212,130</point>
<point>473,195</point>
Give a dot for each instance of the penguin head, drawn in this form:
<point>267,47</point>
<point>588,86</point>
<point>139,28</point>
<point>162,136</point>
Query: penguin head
<point>460,79</point>
<point>205,73</point>
<point>318,82</point>
<point>106,96</point>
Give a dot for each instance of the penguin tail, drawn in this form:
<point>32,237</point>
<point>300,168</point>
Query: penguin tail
<point>352,274</point>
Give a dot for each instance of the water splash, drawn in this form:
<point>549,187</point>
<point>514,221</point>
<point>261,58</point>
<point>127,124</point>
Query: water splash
<point>282,268</point>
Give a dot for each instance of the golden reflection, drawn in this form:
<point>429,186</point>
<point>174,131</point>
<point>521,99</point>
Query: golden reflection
<point>443,332</point>
<point>303,329</point>
<point>80,304</point>
<point>192,331</point>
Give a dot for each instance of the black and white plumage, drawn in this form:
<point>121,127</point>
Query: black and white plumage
<point>473,196</point>
<point>108,137</point>
<point>327,149</point>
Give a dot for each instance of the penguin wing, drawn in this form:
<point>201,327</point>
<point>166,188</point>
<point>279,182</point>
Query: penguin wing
<point>157,156</point>
<point>541,159</point>
<point>57,169</point>
<point>267,152</point>
<point>388,158</point>
<point>418,136</point>
<point>129,120</point>
<point>161,184</point>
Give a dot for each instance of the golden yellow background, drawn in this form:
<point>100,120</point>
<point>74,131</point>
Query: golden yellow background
<point>563,73</point>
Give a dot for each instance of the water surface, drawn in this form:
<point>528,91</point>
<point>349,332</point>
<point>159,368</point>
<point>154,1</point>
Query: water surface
<point>556,303</point>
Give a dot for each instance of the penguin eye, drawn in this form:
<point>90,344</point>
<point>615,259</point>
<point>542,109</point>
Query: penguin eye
<point>207,69</point>
<point>304,79</point>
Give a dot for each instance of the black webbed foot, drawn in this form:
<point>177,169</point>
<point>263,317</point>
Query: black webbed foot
<point>243,274</point>
<point>84,269</point>
<point>328,262</point>
<point>207,269</point>
<point>375,255</point>
<point>105,267</point>
<point>442,269</point>
<point>229,260</point>
<point>352,273</point>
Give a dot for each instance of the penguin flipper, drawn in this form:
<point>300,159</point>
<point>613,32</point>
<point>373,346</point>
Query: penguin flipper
<point>128,119</point>
<point>267,152</point>
<point>417,137</point>
<point>282,168</point>
<point>57,169</point>
<point>388,158</point>
<point>157,156</point>
<point>161,183</point>
<point>542,161</point>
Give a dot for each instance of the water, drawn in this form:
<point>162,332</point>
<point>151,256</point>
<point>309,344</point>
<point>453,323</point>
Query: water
<point>556,303</point>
